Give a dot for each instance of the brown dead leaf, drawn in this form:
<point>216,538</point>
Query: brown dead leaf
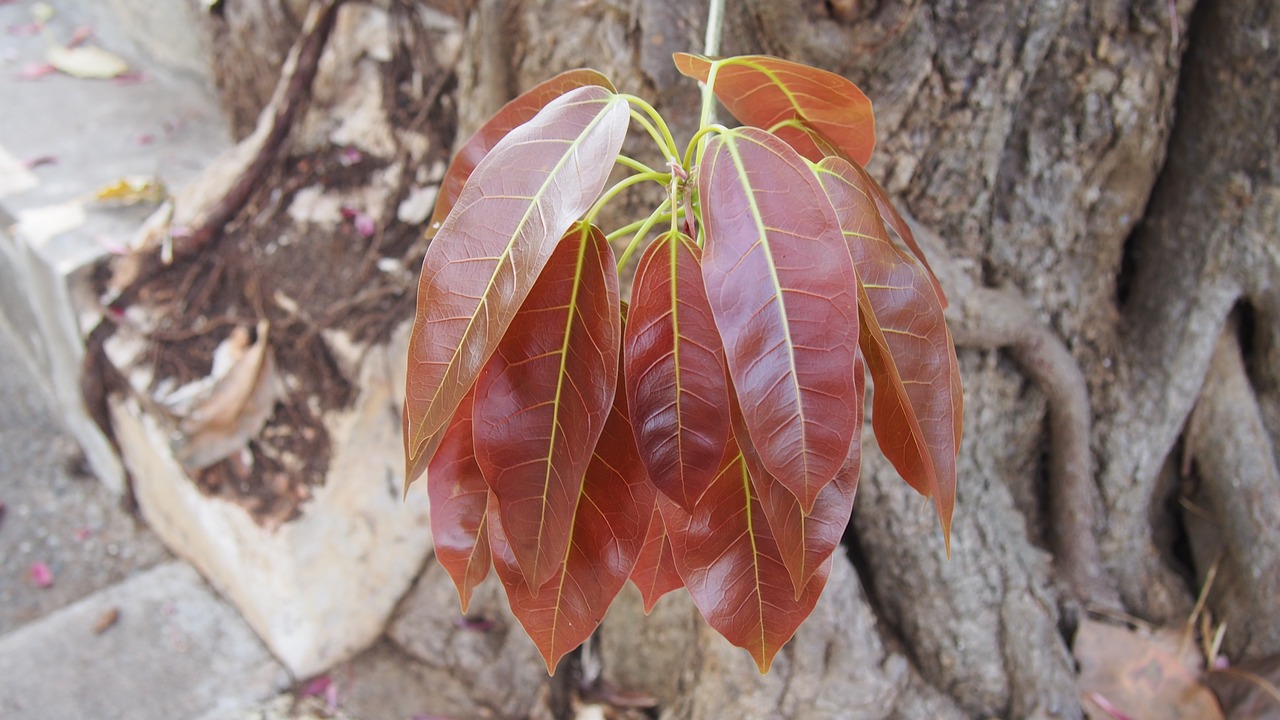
<point>1249,689</point>
<point>106,620</point>
<point>1143,675</point>
<point>237,406</point>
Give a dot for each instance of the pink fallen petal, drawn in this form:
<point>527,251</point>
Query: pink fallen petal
<point>35,71</point>
<point>28,28</point>
<point>83,534</point>
<point>144,138</point>
<point>365,225</point>
<point>349,156</point>
<point>41,575</point>
<point>81,34</point>
<point>37,161</point>
<point>317,686</point>
<point>131,78</point>
<point>110,245</point>
<point>331,698</point>
<point>1108,707</point>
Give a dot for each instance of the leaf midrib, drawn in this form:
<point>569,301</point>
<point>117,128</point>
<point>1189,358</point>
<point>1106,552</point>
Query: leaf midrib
<point>608,102</point>
<point>729,142</point>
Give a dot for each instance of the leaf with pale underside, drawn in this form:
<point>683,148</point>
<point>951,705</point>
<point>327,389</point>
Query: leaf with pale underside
<point>906,343</point>
<point>729,559</point>
<point>512,115</point>
<point>542,401</point>
<point>764,91</point>
<point>675,371</point>
<point>782,290</point>
<point>459,495</point>
<point>655,572</point>
<point>526,193</point>
<point>805,542</point>
<point>610,521</point>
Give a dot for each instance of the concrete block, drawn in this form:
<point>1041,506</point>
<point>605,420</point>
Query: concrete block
<point>93,133</point>
<point>175,651</point>
<point>319,588</point>
<point>43,280</point>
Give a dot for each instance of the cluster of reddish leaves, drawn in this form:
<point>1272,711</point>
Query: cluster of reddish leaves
<point>710,440</point>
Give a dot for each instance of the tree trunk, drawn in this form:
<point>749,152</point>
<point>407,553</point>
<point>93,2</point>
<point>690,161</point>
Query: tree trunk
<point>1102,192</point>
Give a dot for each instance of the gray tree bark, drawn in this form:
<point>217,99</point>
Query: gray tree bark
<point>1102,194</point>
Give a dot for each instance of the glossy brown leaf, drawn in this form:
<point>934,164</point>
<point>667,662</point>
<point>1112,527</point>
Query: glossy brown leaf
<point>806,541</point>
<point>729,559</point>
<point>763,91</point>
<point>542,401</point>
<point>459,496</point>
<point>782,289</point>
<point>655,572</point>
<point>675,371</point>
<point>525,194</point>
<point>907,346</point>
<point>512,115</point>
<point>610,522</point>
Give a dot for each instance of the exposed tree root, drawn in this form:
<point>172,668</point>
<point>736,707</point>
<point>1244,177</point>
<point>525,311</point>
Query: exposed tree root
<point>990,318</point>
<point>292,95</point>
<point>1236,504</point>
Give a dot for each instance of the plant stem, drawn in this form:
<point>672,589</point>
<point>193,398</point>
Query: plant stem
<point>660,178</point>
<point>715,28</point>
<point>629,228</point>
<point>668,142</point>
<point>643,232</point>
<point>699,140</point>
<point>634,164</point>
<point>711,48</point>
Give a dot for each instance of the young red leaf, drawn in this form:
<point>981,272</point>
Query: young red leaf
<point>829,114</point>
<point>458,495</point>
<point>610,521</point>
<point>906,343</point>
<point>782,289</point>
<point>675,371</point>
<point>729,558</point>
<point>890,216</point>
<point>526,193</point>
<point>655,573</point>
<point>542,401</point>
<point>806,541</point>
<point>763,91</point>
<point>512,115</point>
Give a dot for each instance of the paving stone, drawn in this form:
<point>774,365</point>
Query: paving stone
<point>175,650</point>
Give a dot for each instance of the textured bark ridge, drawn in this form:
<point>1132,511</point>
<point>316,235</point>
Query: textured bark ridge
<point>1102,195</point>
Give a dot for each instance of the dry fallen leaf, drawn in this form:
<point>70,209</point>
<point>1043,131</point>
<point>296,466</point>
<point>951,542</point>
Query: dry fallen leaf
<point>1142,675</point>
<point>236,407</point>
<point>106,620</point>
<point>131,190</point>
<point>1250,689</point>
<point>87,61</point>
